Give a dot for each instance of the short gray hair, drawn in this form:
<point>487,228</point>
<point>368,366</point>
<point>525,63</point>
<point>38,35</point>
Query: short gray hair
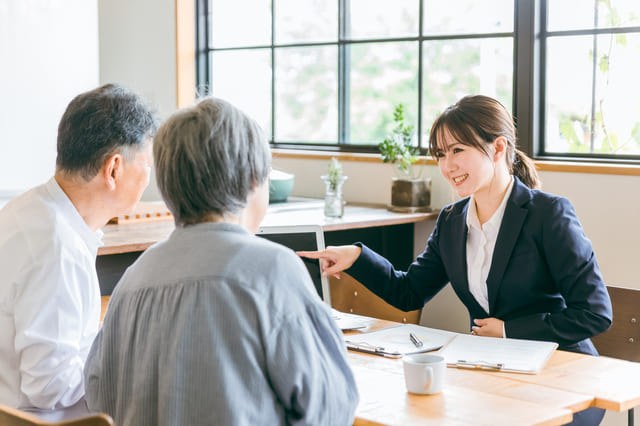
<point>99,123</point>
<point>208,159</point>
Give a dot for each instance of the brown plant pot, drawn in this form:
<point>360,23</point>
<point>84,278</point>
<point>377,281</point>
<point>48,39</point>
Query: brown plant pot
<point>410,195</point>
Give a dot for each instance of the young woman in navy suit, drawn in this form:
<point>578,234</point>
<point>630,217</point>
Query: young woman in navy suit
<point>517,257</point>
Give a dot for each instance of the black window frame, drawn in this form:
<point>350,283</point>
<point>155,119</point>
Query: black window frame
<point>529,35</point>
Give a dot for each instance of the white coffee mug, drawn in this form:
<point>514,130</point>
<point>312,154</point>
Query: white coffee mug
<point>424,374</point>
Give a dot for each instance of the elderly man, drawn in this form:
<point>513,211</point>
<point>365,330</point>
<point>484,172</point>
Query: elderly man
<point>49,293</point>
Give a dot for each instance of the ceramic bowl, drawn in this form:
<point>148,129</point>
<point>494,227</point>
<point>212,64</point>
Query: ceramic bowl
<point>280,186</point>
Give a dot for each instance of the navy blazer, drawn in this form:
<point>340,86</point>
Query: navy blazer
<point>544,281</point>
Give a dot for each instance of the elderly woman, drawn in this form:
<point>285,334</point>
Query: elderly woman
<point>215,325</point>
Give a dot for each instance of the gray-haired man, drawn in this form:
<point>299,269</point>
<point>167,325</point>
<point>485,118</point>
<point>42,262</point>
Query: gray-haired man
<point>49,293</point>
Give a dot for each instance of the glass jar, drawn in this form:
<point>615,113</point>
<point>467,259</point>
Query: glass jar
<point>333,202</point>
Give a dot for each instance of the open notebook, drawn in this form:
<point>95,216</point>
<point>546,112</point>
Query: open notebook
<point>311,238</point>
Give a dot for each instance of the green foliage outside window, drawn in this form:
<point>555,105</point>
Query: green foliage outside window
<point>575,129</point>
<point>592,103</point>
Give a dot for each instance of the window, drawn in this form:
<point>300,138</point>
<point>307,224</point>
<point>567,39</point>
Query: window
<point>326,74</point>
<point>592,96</point>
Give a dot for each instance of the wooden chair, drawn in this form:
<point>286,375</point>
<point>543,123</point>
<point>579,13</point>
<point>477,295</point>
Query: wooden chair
<point>622,340</point>
<point>349,295</point>
<point>12,417</point>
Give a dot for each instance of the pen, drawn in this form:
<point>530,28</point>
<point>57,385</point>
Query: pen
<point>481,365</point>
<point>415,340</point>
<point>373,350</point>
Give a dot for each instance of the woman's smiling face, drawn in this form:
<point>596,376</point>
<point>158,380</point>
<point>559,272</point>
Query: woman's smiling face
<point>468,169</point>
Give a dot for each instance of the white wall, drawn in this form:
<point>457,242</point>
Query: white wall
<point>48,54</point>
<point>138,50</point>
<point>609,208</point>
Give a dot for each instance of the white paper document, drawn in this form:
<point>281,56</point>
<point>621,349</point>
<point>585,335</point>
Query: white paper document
<point>396,341</point>
<point>348,322</point>
<point>493,353</point>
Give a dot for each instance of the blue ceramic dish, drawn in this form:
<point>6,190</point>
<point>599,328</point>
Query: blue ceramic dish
<point>280,186</point>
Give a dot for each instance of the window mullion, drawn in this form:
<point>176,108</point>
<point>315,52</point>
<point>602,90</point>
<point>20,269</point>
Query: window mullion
<point>273,70</point>
<point>540,109</point>
<point>203,63</point>
<point>528,90</point>
<point>420,71</point>
<point>592,127</point>
<point>344,73</point>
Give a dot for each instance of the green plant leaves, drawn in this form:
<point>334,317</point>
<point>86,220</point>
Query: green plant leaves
<point>604,63</point>
<point>396,148</point>
<point>335,171</point>
<point>635,133</point>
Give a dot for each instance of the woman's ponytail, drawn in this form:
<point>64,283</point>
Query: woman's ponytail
<point>525,170</point>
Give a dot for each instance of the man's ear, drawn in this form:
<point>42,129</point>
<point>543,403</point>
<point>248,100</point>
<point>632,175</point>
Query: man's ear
<point>112,170</point>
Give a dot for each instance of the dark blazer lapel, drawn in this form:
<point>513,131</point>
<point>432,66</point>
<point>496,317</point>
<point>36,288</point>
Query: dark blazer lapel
<point>459,277</point>
<point>512,221</point>
<point>458,235</point>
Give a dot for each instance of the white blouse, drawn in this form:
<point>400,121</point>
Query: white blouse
<point>481,241</point>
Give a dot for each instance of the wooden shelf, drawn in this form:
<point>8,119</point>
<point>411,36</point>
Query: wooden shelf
<point>138,235</point>
<point>145,211</point>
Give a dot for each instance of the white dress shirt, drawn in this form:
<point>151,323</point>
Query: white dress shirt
<point>49,299</point>
<point>481,241</point>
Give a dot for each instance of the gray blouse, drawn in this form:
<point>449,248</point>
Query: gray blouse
<point>218,326</point>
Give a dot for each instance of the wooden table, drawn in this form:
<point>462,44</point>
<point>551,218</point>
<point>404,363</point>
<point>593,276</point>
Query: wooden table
<point>132,237</point>
<point>613,382</point>
<point>569,383</point>
<point>469,398</point>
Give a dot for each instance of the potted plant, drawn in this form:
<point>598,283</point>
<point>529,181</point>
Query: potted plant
<point>409,191</point>
<point>333,203</point>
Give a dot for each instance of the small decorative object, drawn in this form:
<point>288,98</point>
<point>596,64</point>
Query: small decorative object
<point>333,203</point>
<point>409,191</point>
<point>280,186</point>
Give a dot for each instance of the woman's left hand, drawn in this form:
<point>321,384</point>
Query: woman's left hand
<point>489,327</point>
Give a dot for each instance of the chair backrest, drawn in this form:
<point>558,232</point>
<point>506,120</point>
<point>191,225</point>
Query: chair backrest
<point>349,295</point>
<point>12,417</point>
<point>622,340</point>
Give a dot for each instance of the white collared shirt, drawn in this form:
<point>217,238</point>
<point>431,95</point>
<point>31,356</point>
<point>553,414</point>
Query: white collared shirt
<point>481,241</point>
<point>49,299</point>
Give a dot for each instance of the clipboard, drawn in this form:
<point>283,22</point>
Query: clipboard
<point>397,341</point>
<point>498,354</point>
